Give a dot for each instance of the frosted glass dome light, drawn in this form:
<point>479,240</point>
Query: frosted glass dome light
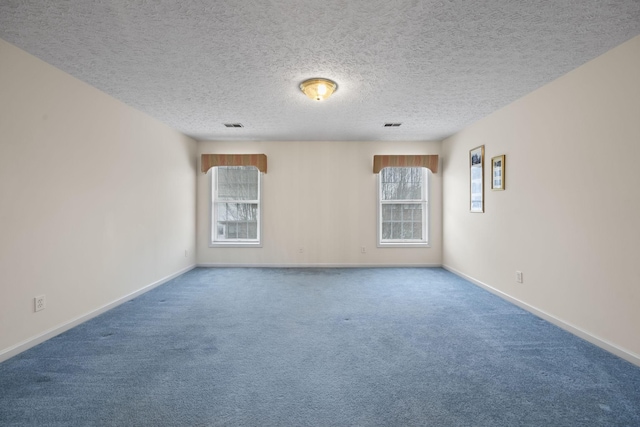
<point>318,89</point>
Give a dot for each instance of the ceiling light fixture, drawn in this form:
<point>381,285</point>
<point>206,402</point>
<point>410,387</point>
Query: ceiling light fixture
<point>318,88</point>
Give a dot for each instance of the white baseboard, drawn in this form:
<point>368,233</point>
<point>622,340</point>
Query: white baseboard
<point>317,265</point>
<point>32,342</point>
<point>602,343</point>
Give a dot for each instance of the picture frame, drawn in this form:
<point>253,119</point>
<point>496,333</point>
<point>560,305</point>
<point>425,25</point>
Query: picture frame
<point>476,179</point>
<point>498,173</point>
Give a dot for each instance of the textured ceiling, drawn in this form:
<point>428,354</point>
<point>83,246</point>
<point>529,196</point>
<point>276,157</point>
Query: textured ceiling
<point>434,66</point>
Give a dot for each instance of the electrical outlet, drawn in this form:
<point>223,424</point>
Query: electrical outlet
<point>363,250</point>
<point>39,303</point>
<point>519,276</point>
<point>186,253</point>
<point>300,250</point>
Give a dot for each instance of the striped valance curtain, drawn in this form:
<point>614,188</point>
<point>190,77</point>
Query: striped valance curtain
<point>211,160</point>
<point>409,161</point>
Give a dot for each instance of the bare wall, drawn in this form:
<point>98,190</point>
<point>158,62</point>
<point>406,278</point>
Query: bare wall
<point>321,197</point>
<point>569,216</point>
<point>97,200</point>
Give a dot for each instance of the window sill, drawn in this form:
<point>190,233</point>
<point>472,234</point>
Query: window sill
<point>235,245</point>
<point>404,245</point>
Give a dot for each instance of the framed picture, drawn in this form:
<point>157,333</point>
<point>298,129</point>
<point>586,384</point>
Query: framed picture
<point>476,177</point>
<point>497,173</point>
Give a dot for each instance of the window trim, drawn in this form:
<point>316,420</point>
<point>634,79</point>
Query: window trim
<point>426,212</point>
<point>212,226</point>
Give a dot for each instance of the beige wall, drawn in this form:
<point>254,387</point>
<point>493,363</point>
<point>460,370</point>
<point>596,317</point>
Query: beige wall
<point>322,197</point>
<point>97,200</point>
<point>569,218</point>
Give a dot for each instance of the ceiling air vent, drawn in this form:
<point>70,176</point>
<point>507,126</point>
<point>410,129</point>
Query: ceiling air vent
<point>233,125</point>
<point>392,125</point>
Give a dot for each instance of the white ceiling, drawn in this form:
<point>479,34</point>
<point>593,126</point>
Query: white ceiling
<point>435,66</point>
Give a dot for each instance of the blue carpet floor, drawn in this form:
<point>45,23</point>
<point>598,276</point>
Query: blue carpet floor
<point>318,347</point>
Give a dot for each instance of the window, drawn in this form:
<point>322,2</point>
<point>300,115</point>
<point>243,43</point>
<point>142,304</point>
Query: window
<point>403,206</point>
<point>235,195</point>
